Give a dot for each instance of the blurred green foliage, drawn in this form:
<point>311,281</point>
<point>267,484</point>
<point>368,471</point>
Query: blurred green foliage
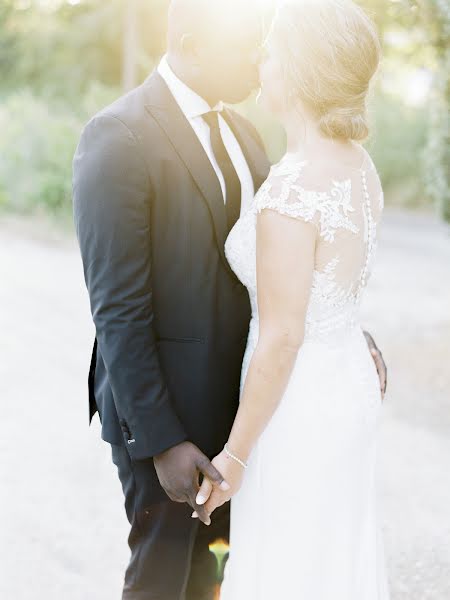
<point>37,145</point>
<point>437,152</point>
<point>399,135</point>
<point>62,61</point>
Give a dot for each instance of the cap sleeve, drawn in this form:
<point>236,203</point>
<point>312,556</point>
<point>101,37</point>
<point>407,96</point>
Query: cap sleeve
<point>328,209</point>
<point>283,193</point>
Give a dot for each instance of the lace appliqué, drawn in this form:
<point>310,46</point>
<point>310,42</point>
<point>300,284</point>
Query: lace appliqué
<point>325,288</point>
<point>332,308</point>
<point>334,210</point>
<point>282,193</point>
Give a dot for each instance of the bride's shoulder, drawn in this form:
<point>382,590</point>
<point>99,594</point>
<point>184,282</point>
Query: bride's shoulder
<point>306,189</point>
<point>297,178</point>
<point>287,168</point>
<point>284,191</point>
<point>283,176</point>
<point>311,172</point>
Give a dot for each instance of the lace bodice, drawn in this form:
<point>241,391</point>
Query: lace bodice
<point>345,205</point>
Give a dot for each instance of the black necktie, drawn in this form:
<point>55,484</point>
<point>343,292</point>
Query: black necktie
<point>232,181</point>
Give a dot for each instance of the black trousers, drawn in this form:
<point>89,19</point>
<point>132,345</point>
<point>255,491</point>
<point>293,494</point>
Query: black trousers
<point>170,557</point>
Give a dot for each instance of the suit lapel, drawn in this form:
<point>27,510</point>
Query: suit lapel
<point>165,110</point>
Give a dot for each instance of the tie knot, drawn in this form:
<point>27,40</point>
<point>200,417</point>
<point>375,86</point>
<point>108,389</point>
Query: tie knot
<point>212,118</point>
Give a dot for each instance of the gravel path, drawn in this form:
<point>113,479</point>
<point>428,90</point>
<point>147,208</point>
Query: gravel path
<point>63,527</point>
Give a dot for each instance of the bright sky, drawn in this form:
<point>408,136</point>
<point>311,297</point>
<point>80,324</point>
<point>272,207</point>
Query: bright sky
<point>45,4</point>
<point>51,4</point>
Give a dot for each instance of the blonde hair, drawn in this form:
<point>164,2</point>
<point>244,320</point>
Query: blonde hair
<point>330,51</point>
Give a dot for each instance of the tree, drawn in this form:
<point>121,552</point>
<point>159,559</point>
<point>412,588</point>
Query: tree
<point>130,45</point>
<point>437,153</point>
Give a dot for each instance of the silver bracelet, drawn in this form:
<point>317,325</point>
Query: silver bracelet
<point>238,460</point>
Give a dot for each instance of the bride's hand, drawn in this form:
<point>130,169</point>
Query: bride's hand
<point>232,472</point>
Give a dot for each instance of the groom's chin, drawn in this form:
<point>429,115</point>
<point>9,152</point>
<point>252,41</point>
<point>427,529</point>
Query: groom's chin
<point>242,95</point>
<point>234,97</point>
<point>240,89</point>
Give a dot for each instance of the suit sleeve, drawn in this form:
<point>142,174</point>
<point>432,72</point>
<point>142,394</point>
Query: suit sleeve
<point>112,194</point>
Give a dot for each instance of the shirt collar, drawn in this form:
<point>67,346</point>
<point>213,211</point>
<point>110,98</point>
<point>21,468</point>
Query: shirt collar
<point>191,104</point>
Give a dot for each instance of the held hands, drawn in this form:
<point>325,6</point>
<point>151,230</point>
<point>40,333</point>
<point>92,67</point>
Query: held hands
<point>178,470</point>
<point>210,497</point>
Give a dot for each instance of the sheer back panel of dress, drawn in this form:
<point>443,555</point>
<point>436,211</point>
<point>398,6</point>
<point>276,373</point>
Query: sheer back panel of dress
<point>344,204</point>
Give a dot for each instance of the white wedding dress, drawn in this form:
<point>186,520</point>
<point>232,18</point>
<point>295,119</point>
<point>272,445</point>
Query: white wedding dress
<point>304,524</point>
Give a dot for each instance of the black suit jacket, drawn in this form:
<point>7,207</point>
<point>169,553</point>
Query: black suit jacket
<point>171,318</point>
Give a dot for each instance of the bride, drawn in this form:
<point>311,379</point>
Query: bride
<point>300,459</point>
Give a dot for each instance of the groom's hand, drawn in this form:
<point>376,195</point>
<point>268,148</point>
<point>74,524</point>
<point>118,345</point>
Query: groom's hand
<point>178,470</point>
<point>379,362</point>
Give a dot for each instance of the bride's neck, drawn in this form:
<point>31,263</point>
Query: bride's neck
<point>304,136</point>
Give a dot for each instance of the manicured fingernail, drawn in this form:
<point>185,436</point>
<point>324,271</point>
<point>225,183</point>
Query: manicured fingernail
<point>200,499</point>
<point>224,486</point>
<point>194,515</point>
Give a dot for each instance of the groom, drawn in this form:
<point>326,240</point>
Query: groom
<point>159,180</point>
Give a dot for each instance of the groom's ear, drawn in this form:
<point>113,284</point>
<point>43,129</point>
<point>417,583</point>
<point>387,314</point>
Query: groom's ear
<point>188,46</point>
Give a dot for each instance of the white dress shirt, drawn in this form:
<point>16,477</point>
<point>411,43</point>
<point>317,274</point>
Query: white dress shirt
<point>193,107</point>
